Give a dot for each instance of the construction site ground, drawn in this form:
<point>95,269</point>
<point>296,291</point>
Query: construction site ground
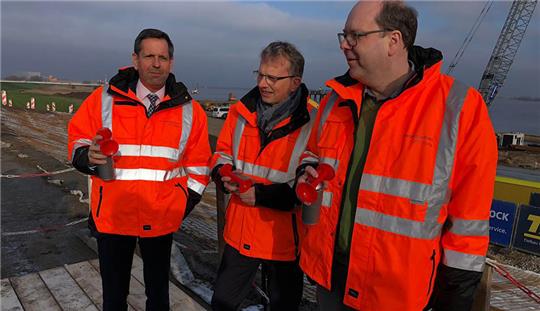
<point>44,227</point>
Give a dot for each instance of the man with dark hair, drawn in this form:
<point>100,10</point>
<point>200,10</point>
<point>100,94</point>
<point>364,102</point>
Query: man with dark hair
<point>263,138</point>
<point>160,169</point>
<point>406,217</point>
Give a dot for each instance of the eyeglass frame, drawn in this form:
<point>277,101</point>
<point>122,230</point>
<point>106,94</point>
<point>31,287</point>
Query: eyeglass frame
<point>357,34</point>
<point>269,78</point>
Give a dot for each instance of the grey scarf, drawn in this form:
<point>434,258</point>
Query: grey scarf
<point>270,115</point>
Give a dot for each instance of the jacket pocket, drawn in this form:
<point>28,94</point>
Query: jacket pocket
<point>432,272</point>
<point>99,202</point>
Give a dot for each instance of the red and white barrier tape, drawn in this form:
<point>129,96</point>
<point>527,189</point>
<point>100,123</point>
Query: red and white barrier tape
<point>45,173</point>
<point>45,229</point>
<point>517,283</point>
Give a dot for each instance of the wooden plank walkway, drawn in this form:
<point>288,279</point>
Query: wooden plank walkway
<point>77,287</point>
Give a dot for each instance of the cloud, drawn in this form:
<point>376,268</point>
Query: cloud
<point>218,43</point>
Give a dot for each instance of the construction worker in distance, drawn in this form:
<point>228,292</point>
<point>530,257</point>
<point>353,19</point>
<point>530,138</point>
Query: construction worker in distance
<point>161,167</point>
<point>404,225</point>
<point>263,138</point>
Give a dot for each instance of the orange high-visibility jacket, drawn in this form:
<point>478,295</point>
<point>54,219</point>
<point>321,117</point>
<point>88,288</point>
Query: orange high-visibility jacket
<point>425,192</point>
<point>159,158</point>
<point>258,231</point>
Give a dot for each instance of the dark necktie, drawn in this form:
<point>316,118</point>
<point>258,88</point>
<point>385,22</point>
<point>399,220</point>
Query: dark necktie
<point>153,99</point>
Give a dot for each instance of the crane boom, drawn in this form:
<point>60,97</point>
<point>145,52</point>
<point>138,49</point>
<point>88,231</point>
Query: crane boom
<point>506,48</point>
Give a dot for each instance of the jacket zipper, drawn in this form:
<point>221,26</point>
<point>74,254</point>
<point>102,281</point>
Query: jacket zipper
<point>432,271</point>
<point>295,234</point>
<point>99,202</point>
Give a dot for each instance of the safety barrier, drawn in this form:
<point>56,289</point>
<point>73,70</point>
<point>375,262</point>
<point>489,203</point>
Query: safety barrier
<point>503,272</point>
<point>32,104</point>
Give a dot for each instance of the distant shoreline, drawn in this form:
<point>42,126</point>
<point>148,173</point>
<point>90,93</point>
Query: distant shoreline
<point>525,98</point>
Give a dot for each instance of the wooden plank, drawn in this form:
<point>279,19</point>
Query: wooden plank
<point>89,280</point>
<point>136,298</point>
<point>33,293</point>
<point>137,268</point>
<point>179,300</point>
<point>10,302</point>
<point>482,296</point>
<point>66,291</point>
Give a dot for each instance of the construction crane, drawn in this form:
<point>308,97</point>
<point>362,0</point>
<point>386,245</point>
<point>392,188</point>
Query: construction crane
<point>469,37</point>
<point>506,48</point>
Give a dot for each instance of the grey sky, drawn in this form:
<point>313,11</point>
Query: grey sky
<point>217,43</point>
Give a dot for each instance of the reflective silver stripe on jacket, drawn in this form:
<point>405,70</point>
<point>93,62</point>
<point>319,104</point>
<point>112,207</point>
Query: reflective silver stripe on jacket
<point>467,227</point>
<point>326,112</point>
<point>416,192</point>
<point>196,186</point>
<point>463,261</point>
<point>187,125</point>
<point>197,170</point>
<point>309,157</point>
<point>271,174</point>
<point>301,142</point>
<point>237,137</point>
<point>333,162</point>
<point>223,159</point>
<point>327,199</point>
<point>106,107</point>
<point>148,151</point>
<point>148,174</point>
<point>435,195</point>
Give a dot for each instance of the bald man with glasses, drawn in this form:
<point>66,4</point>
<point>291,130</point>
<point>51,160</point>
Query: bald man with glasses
<point>405,223</point>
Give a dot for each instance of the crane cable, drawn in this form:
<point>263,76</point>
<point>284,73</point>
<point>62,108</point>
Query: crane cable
<point>469,36</point>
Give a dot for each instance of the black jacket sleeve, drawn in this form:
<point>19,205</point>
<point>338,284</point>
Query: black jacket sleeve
<point>80,161</point>
<point>216,178</point>
<point>276,196</point>
<point>193,199</point>
<point>454,289</point>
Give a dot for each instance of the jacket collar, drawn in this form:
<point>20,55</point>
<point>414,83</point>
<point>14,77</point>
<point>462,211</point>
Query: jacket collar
<point>124,83</point>
<point>248,107</point>
<point>426,61</point>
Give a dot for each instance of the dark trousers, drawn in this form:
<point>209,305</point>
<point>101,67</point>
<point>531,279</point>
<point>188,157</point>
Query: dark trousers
<point>237,273</point>
<point>115,259</point>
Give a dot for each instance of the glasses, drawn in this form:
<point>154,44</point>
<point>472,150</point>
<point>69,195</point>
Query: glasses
<point>352,37</point>
<point>269,79</point>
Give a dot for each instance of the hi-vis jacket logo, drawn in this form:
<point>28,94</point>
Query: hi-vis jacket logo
<point>533,229</point>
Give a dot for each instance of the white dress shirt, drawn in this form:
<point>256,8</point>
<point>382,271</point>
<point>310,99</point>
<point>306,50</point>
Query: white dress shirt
<point>142,92</point>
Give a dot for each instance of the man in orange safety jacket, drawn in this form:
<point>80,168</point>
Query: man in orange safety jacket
<point>404,224</point>
<point>263,137</point>
<point>161,167</point>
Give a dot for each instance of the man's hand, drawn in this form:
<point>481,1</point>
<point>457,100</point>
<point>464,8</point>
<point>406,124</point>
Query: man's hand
<point>231,187</point>
<point>248,197</point>
<point>309,174</point>
<point>95,157</point>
